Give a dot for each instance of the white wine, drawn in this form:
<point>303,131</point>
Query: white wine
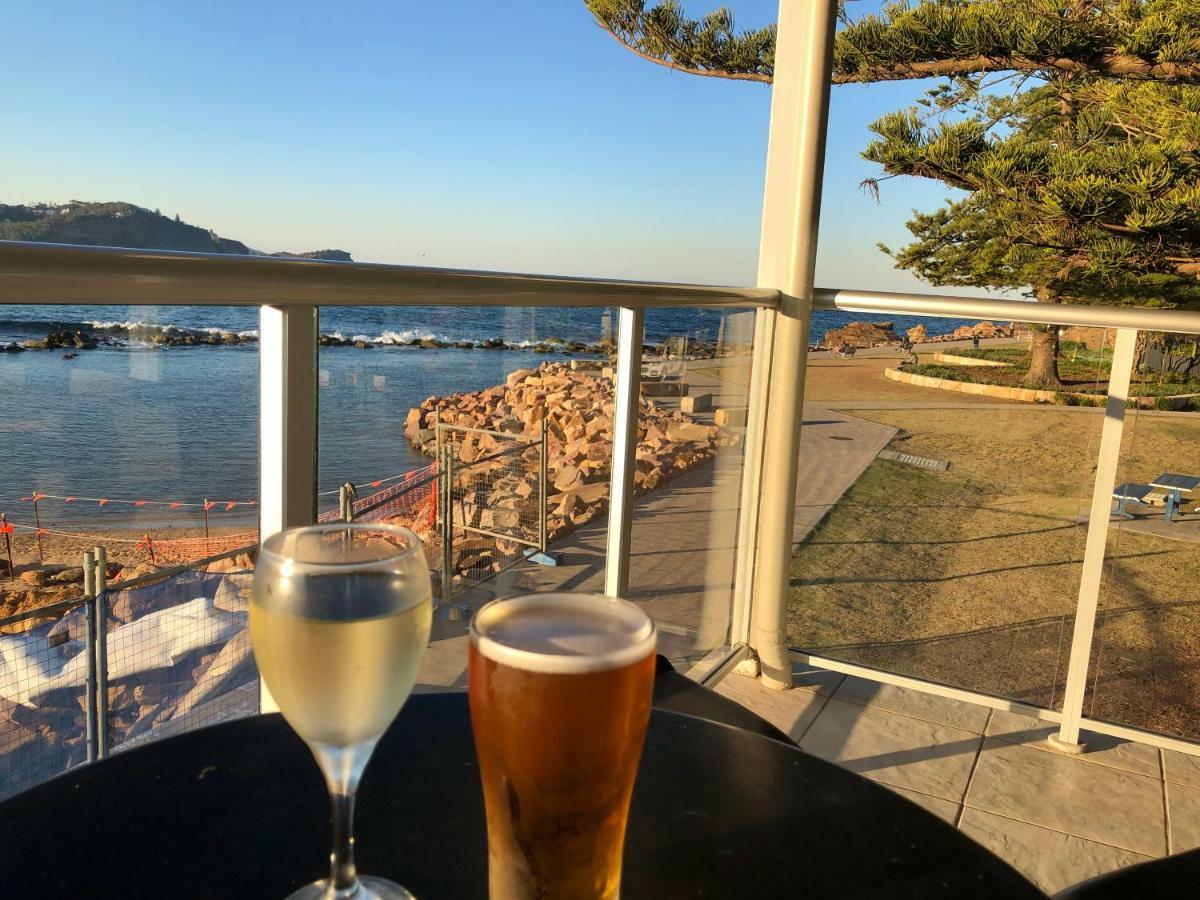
<point>341,681</point>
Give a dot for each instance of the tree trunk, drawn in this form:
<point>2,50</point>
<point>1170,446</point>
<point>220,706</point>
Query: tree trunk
<point>1043,358</point>
<point>1043,349</point>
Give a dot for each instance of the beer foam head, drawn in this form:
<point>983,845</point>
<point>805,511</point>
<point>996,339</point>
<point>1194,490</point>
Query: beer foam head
<point>560,633</point>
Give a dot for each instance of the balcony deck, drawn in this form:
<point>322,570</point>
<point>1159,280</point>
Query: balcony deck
<point>1059,819</point>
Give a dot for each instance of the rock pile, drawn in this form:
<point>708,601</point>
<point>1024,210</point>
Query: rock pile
<point>862,335</point>
<point>577,407</point>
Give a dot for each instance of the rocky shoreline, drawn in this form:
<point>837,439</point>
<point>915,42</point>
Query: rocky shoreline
<point>575,403</point>
<point>125,336</point>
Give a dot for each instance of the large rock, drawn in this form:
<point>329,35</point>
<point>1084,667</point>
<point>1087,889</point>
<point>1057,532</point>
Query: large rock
<point>861,335</point>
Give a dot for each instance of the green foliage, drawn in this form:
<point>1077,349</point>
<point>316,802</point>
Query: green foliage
<point>109,225</point>
<point>1152,39</point>
<point>122,225</point>
<point>710,45</point>
<point>1086,189</point>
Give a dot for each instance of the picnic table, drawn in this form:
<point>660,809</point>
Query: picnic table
<point>1169,487</point>
<point>1175,486</point>
<point>1130,492</point>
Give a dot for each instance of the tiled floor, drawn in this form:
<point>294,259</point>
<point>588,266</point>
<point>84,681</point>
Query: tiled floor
<point>1057,818</point>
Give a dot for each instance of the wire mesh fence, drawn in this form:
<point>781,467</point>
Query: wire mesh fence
<point>162,654</point>
<point>492,500</point>
<point>44,711</point>
<point>178,654</point>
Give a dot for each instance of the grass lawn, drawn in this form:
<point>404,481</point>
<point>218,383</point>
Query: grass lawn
<point>1081,370</point>
<point>970,576</point>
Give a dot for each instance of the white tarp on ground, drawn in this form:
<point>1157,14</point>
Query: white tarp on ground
<point>30,667</point>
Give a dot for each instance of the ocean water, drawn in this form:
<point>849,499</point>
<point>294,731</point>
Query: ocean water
<point>133,421</point>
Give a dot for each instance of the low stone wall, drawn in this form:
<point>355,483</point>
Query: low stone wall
<point>953,360</point>
<point>1028,395</point>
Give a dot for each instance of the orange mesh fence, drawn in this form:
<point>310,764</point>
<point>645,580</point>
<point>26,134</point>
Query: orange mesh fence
<point>173,551</point>
<point>411,502</point>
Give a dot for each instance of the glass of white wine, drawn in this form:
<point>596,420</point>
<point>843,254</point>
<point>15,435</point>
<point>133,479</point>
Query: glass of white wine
<point>339,620</point>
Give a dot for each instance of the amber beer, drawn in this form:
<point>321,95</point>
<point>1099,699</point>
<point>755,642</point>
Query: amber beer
<point>560,688</point>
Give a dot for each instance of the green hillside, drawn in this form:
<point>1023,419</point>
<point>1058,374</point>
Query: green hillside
<point>122,225</point>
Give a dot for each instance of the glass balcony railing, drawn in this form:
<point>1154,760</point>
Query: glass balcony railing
<point>942,517</point>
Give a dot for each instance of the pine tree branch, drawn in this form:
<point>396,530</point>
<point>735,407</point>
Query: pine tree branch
<point>1109,65</point>
<point>668,63</point>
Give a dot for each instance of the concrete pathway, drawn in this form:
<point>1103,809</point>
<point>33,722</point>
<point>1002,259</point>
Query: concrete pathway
<point>684,539</point>
<point>1058,819</point>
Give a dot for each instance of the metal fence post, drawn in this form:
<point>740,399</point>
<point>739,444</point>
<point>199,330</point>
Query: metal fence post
<point>446,465</point>
<point>89,647</point>
<point>543,477</point>
<point>100,580</point>
<point>1097,540</point>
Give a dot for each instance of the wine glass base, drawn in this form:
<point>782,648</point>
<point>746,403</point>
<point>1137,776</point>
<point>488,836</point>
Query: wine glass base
<point>368,888</point>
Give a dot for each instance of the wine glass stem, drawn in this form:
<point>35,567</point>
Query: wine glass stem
<point>342,768</point>
<point>342,874</point>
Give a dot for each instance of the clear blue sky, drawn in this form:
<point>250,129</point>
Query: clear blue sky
<point>513,136</point>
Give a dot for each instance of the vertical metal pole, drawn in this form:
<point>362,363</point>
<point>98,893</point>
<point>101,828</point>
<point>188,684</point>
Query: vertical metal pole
<point>206,518</point>
<point>787,261</point>
<point>447,467</point>
<point>630,338</point>
<point>747,528</point>
<point>543,490</point>
<point>287,355</point>
<point>89,647</point>
<point>288,433</point>
<point>1097,539</point>
<point>37,522</point>
<point>100,581</point>
<point>4,527</point>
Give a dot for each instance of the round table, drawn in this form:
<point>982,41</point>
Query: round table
<point>239,810</point>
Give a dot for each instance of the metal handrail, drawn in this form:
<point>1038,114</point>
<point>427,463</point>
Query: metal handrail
<point>62,273</point>
<point>1142,318</point>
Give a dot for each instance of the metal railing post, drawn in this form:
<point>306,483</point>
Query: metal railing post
<point>1097,540</point>
<point>751,489</point>
<point>630,339</point>
<point>288,417</point>
<point>787,261</point>
<point>446,464</point>
<point>89,647</point>
<point>100,581</point>
<point>543,490</point>
<point>287,356</point>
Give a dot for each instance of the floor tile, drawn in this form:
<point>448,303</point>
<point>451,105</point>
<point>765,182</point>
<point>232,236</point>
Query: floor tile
<point>792,712</point>
<point>1050,859</point>
<point>1102,749</point>
<point>1063,793</point>
<point>1181,768</point>
<point>946,810</point>
<point>807,678</point>
<point>1183,812</point>
<point>918,704</point>
<point>894,749</point>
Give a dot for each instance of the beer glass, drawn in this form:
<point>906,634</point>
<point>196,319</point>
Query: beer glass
<point>560,688</point>
<point>339,619</point>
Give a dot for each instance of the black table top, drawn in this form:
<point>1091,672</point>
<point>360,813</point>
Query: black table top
<point>239,810</point>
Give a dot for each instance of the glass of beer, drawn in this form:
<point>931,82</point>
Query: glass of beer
<point>560,688</point>
<point>339,619</point>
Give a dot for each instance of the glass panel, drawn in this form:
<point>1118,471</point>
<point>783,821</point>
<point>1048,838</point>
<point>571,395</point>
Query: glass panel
<point>134,429</point>
<point>516,391</point>
<point>688,477</point>
<point>939,503</point>
<point>1146,652</point>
